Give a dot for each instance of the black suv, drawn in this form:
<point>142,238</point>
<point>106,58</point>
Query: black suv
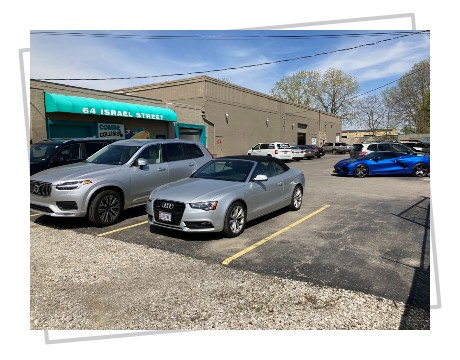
<point>56,152</point>
<point>417,145</point>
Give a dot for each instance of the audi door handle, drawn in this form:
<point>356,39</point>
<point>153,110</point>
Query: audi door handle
<point>161,169</point>
<point>191,164</point>
<point>280,184</point>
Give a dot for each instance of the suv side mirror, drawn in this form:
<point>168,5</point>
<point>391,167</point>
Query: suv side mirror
<point>141,162</point>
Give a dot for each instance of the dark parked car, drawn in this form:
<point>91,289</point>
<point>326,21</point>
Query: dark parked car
<point>318,150</point>
<point>305,151</point>
<point>416,145</point>
<point>47,154</point>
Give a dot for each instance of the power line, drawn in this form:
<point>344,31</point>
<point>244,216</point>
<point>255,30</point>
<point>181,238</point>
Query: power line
<point>392,82</point>
<point>236,67</point>
<point>221,37</point>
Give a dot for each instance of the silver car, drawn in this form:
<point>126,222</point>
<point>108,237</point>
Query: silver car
<point>117,177</point>
<point>225,194</point>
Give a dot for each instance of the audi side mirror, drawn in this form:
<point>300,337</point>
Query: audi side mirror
<point>261,178</point>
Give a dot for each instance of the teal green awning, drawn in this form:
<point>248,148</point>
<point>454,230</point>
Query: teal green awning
<point>88,106</point>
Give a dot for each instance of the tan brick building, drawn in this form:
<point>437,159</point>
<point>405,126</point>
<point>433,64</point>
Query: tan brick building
<point>228,119</point>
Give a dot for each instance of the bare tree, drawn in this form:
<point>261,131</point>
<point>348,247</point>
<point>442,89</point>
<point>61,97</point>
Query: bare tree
<point>371,113</point>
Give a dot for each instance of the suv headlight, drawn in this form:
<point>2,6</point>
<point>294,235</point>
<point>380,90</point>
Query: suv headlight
<point>206,206</point>
<point>72,185</point>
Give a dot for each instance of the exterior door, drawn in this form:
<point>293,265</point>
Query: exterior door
<point>264,196</point>
<point>147,178</point>
<point>179,166</point>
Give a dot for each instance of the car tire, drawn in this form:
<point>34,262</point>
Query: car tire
<point>296,199</point>
<point>105,209</point>
<point>235,220</point>
<point>420,170</point>
<point>360,171</point>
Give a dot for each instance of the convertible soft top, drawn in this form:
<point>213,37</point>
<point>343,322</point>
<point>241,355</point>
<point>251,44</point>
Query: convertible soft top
<point>257,159</point>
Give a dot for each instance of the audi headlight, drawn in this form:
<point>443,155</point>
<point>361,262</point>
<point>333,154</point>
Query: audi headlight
<point>72,185</point>
<point>206,206</point>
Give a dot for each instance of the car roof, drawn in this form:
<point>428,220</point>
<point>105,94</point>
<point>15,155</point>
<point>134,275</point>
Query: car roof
<point>63,141</point>
<point>141,142</point>
<point>255,158</point>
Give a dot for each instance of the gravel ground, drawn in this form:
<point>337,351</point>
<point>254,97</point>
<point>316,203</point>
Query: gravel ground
<point>83,282</point>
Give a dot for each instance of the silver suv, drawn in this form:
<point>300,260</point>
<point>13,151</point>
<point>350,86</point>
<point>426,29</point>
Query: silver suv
<point>359,150</point>
<point>117,177</point>
<point>336,147</point>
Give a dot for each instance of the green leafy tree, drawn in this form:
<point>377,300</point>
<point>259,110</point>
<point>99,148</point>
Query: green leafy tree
<point>409,100</point>
<point>331,91</point>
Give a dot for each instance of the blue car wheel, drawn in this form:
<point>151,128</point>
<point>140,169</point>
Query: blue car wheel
<point>420,170</point>
<point>360,171</point>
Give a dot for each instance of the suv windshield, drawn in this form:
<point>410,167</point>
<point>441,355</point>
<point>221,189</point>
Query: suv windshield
<point>113,155</point>
<point>42,152</point>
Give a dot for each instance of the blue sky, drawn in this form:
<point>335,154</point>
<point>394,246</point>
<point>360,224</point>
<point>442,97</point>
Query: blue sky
<point>136,55</point>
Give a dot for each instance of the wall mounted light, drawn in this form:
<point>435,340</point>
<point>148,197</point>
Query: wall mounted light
<point>203,115</point>
<point>292,126</point>
<point>266,121</point>
<point>226,117</point>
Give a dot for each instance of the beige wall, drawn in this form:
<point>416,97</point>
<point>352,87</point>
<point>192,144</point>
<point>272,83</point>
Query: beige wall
<point>248,111</point>
<point>205,101</point>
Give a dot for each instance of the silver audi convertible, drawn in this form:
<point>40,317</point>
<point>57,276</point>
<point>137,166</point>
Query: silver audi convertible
<point>226,193</point>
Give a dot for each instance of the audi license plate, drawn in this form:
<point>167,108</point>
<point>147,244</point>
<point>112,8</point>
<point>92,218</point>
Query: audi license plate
<point>164,216</point>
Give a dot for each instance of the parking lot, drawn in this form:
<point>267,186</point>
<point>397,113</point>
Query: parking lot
<point>369,235</point>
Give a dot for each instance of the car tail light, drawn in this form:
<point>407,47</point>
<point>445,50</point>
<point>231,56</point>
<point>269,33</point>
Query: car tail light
<point>276,152</point>
<point>362,153</point>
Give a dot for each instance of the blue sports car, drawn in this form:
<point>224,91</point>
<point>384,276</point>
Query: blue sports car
<point>384,163</point>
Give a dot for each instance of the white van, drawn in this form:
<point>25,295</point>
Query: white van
<point>277,150</point>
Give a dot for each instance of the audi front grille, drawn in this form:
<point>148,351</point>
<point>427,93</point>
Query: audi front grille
<point>176,209</point>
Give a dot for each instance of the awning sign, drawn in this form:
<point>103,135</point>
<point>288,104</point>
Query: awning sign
<point>111,131</point>
<point>89,106</point>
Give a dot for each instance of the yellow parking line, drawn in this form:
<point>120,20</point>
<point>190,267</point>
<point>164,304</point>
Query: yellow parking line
<point>35,214</point>
<point>123,228</point>
<point>268,238</point>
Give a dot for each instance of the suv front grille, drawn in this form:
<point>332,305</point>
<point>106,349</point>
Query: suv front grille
<point>40,188</point>
<point>176,209</point>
